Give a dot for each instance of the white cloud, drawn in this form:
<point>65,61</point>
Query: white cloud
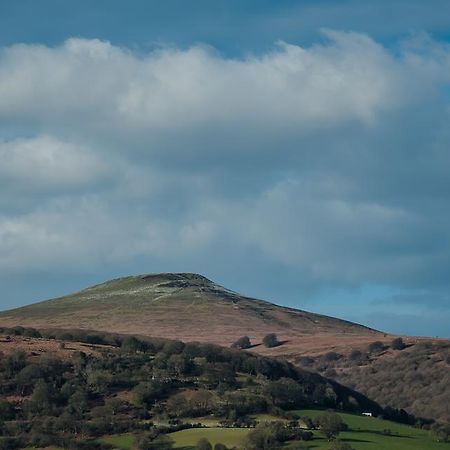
<point>44,163</point>
<point>86,234</point>
<point>327,160</point>
<point>93,84</point>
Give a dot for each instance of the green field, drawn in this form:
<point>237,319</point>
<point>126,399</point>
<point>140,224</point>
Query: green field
<point>121,441</point>
<point>365,433</point>
<point>228,436</point>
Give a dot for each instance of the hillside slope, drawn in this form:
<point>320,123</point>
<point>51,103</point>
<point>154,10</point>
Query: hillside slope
<point>190,307</point>
<point>184,306</point>
<point>415,378</point>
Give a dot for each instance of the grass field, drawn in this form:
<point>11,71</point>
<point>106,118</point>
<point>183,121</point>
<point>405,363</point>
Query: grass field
<point>187,439</point>
<point>120,441</point>
<point>365,433</point>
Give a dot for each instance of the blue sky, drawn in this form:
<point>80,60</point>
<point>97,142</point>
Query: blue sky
<point>292,151</point>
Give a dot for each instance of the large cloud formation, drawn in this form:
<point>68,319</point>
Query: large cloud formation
<point>330,161</point>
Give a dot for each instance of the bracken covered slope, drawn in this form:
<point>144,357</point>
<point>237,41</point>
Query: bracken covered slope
<point>184,306</point>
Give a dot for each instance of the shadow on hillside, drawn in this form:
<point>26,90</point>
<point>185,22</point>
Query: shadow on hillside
<point>356,440</point>
<point>280,343</point>
<point>381,433</point>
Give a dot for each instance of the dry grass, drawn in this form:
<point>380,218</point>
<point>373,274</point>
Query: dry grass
<point>36,347</point>
<point>190,308</point>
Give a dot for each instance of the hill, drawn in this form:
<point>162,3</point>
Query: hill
<point>71,394</point>
<point>153,393</point>
<point>414,376</point>
<point>188,307</point>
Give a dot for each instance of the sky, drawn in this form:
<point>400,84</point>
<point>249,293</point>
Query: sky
<point>295,151</point>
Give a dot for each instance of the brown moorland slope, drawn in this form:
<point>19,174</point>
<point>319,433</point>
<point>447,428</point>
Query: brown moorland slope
<point>188,307</point>
<point>414,376</point>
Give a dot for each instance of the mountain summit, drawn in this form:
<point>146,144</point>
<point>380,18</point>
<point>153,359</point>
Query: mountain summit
<point>185,306</point>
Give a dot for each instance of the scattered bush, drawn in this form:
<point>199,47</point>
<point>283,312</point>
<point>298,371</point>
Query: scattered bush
<point>242,343</point>
<point>220,446</point>
<point>356,355</point>
<point>398,344</point>
<point>376,347</point>
<point>271,340</point>
<point>331,356</point>
<point>204,444</point>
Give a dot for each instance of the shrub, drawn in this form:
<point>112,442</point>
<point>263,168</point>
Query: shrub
<point>376,346</point>
<point>331,356</point>
<point>306,361</point>
<point>263,437</point>
<point>145,393</point>
<point>31,332</point>
<point>330,373</point>
<point>284,393</point>
<point>204,444</point>
<point>271,340</point>
<point>220,446</point>
<point>149,442</point>
<point>242,343</point>
<point>398,344</point>
<point>131,344</point>
<point>356,355</point>
<point>95,339</point>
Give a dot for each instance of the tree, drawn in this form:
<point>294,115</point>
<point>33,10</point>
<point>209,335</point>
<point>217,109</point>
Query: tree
<point>330,424</point>
<point>263,437</point>
<point>40,401</point>
<point>398,344</point>
<point>98,380</point>
<point>6,410</point>
<point>146,393</point>
<point>242,343</point>
<point>27,376</point>
<point>173,347</point>
<point>442,432</point>
<point>132,345</point>
<point>178,364</point>
<point>204,444</point>
<point>271,340</point>
<point>14,363</point>
<point>77,403</point>
<point>284,393</point>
